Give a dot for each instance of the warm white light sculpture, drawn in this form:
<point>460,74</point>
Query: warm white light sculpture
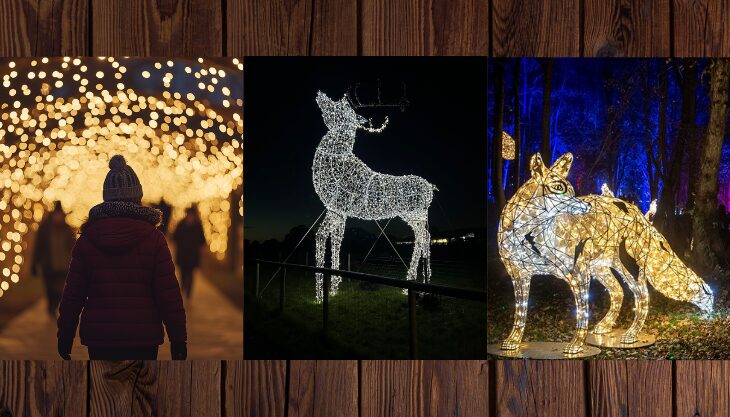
<point>508,147</point>
<point>349,188</point>
<point>544,229</point>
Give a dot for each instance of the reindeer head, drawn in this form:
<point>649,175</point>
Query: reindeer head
<point>551,188</point>
<point>341,115</point>
<point>338,114</point>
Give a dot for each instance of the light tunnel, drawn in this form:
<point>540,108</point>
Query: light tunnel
<point>178,123</point>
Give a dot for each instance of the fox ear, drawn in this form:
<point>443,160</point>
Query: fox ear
<point>561,167</point>
<point>537,167</point>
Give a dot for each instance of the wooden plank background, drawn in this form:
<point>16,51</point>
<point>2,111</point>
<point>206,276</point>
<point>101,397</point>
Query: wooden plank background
<point>636,28</point>
<point>509,388</point>
<point>122,388</point>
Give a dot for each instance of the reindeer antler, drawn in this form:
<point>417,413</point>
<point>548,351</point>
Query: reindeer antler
<point>356,103</point>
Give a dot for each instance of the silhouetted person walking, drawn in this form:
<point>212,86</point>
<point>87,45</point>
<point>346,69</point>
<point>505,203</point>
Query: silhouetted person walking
<point>52,253</point>
<point>189,240</point>
<point>123,278</point>
<point>166,210</point>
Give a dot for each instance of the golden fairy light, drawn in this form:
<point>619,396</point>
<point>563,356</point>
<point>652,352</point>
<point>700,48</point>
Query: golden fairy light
<point>178,123</point>
<point>508,147</point>
<point>545,230</point>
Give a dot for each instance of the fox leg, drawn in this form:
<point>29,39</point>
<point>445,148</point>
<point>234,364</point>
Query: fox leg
<point>641,301</point>
<point>521,285</point>
<point>605,277</point>
<point>579,285</point>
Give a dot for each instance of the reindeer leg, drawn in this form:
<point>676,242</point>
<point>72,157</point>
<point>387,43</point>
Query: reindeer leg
<point>426,255</point>
<point>336,236</point>
<point>320,252</point>
<point>418,247</point>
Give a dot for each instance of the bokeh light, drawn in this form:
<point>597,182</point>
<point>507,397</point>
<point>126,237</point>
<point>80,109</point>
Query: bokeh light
<point>179,124</point>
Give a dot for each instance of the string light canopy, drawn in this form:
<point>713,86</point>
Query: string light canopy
<point>508,147</point>
<point>349,188</point>
<point>545,230</point>
<point>178,123</point>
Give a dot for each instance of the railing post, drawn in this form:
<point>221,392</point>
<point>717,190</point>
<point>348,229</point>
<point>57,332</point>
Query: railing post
<point>258,270</point>
<point>348,263</point>
<point>325,303</point>
<point>282,291</point>
<point>413,337</point>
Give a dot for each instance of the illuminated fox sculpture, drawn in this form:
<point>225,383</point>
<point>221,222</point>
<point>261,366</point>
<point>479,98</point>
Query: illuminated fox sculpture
<point>545,230</point>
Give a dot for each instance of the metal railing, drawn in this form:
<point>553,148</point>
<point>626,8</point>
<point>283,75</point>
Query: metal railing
<point>412,287</point>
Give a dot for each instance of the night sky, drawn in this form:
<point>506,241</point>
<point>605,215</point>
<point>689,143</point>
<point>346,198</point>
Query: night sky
<point>441,136</point>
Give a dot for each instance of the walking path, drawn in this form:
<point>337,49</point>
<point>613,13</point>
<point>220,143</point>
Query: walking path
<point>215,330</point>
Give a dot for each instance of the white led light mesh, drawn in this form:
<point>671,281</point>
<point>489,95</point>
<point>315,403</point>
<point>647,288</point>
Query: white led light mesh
<point>545,230</point>
<point>349,188</point>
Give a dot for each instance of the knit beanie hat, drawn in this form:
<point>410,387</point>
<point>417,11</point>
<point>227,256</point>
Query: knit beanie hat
<point>121,183</point>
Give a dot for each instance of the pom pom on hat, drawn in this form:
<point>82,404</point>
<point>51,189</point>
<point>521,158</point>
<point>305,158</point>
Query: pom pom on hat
<point>121,182</point>
<point>117,163</point>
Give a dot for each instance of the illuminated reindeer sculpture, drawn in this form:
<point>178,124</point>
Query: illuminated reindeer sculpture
<point>349,188</point>
<point>545,230</point>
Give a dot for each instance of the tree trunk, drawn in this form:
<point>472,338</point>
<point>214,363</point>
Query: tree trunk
<point>546,92</point>
<point>667,201</point>
<point>517,134</point>
<point>497,161</point>
<point>704,230</point>
<point>650,159</point>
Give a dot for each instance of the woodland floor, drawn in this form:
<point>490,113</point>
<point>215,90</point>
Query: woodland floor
<point>680,331</point>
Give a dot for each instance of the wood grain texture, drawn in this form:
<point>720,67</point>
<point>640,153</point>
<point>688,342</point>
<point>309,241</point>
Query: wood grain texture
<point>205,383</point>
<point>264,388</point>
<point>702,389</point>
<point>631,388</point>
<point>530,28</point>
<point>43,28</point>
<point>122,388</point>
<point>234,27</point>
<point>701,29</point>
<point>233,388</point>
<point>334,28</point>
<point>323,388</point>
<point>424,27</point>
<point>424,388</point>
<point>636,28</point>
<point>157,28</point>
<point>164,388</point>
<point>300,27</point>
<point>540,388</point>
<point>34,388</point>
<point>275,27</point>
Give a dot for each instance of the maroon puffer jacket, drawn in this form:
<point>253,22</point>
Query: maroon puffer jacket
<point>123,278</point>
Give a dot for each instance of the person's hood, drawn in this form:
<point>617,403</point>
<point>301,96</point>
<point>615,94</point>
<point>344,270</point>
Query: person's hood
<point>120,225</point>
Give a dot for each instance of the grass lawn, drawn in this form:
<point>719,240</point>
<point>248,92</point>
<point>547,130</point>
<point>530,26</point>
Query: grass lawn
<point>680,330</point>
<point>364,322</point>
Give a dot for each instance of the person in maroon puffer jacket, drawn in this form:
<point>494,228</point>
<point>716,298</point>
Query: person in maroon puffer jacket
<point>121,279</point>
